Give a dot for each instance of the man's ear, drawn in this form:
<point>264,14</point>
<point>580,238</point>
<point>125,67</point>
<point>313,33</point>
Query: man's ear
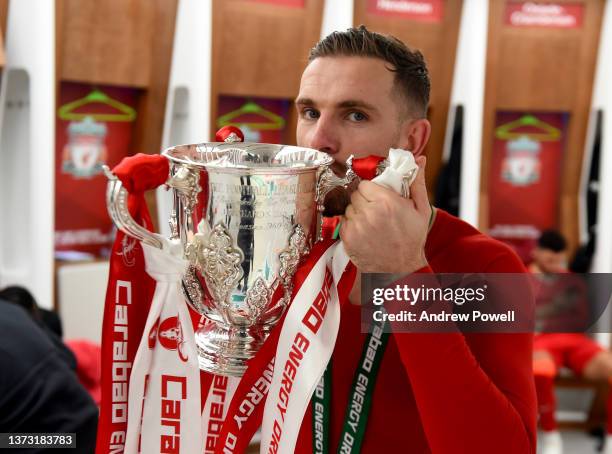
<point>414,135</point>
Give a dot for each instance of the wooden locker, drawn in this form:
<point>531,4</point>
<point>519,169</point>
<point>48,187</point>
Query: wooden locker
<point>542,70</point>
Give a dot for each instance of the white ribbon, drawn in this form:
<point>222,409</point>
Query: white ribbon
<point>401,171</point>
<point>171,400</point>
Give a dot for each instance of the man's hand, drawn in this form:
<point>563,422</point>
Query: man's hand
<point>384,232</point>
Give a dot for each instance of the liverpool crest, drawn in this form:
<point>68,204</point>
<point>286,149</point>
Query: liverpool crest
<point>85,152</point>
<point>521,165</point>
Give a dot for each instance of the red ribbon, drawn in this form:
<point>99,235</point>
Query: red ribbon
<point>137,173</point>
<point>142,172</point>
<point>365,168</point>
<point>126,265</point>
<point>225,132</point>
<point>329,226</point>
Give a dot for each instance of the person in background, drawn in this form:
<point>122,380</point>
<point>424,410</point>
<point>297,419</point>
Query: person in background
<point>39,390</point>
<point>47,320</point>
<point>561,310</point>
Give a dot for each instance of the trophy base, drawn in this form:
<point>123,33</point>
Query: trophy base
<point>225,350</point>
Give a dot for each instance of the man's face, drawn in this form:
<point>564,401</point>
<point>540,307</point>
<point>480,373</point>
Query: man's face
<point>349,105</point>
<point>549,261</point>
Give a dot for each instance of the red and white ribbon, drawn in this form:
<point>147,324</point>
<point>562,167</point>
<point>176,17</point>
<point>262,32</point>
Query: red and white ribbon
<point>128,299</point>
<point>305,345</point>
<point>164,393</point>
<point>246,410</point>
<point>220,394</point>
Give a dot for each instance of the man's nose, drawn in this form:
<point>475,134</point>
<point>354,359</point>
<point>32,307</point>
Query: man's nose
<point>324,137</point>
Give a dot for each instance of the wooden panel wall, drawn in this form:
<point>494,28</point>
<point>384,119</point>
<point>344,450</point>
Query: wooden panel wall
<point>2,58</point>
<point>438,43</point>
<point>543,69</point>
<point>107,41</point>
<point>261,49</point>
<point>3,18</point>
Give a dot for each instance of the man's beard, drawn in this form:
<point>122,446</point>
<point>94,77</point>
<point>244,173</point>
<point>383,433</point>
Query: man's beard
<point>336,202</point>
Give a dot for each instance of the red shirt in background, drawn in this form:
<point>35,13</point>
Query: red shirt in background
<point>444,393</point>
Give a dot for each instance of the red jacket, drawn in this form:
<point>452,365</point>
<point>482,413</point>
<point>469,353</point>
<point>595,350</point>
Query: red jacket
<point>443,393</point>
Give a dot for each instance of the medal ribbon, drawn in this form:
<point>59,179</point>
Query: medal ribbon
<point>360,398</point>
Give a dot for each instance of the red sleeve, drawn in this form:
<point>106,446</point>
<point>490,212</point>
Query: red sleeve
<point>474,391</point>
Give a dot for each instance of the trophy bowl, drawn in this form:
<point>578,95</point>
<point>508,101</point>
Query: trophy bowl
<point>246,214</point>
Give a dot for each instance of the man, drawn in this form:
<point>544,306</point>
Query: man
<point>562,310</point>
<point>361,94</point>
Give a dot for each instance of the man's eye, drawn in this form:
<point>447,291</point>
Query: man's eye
<point>310,114</point>
<point>357,116</point>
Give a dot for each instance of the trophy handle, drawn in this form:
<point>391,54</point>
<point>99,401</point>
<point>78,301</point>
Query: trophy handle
<point>185,182</point>
<point>328,180</point>
<point>117,205</point>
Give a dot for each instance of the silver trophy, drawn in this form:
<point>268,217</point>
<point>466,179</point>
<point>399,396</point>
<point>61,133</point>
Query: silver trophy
<point>246,215</point>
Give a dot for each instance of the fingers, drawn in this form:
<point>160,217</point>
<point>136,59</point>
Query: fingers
<point>345,229</point>
<point>350,213</point>
<point>373,192</point>
<point>358,201</point>
<point>372,198</point>
<point>418,189</point>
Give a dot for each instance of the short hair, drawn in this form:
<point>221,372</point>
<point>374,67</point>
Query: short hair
<point>21,297</point>
<point>552,240</point>
<point>411,74</point>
